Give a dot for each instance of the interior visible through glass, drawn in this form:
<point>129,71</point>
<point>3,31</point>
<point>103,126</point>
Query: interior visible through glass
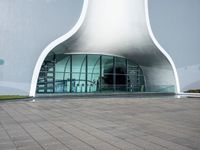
<point>89,73</point>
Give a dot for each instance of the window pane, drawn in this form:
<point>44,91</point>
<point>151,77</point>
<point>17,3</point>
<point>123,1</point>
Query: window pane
<point>78,73</point>
<point>63,73</point>
<point>107,73</point>
<point>107,65</point>
<point>93,73</point>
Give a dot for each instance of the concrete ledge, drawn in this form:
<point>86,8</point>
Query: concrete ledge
<point>92,95</point>
<point>16,100</point>
<point>192,95</point>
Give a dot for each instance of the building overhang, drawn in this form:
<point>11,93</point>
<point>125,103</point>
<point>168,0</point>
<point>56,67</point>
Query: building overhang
<point>117,27</point>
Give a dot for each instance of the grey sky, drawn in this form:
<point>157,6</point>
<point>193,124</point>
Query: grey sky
<point>176,25</point>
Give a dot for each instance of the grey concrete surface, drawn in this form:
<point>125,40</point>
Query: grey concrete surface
<point>101,123</point>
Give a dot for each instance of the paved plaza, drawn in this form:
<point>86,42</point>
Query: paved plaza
<point>101,124</point>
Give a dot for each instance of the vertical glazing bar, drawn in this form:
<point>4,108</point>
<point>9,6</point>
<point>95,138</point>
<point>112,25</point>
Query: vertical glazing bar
<point>137,83</point>
<point>54,72</point>
<point>65,68</point>
<point>70,73</point>
<point>114,74</point>
<point>45,77</point>
<point>100,76</point>
<point>86,73</point>
<point>126,75</point>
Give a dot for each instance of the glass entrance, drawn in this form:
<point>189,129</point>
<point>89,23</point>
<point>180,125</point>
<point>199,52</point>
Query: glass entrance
<point>89,73</point>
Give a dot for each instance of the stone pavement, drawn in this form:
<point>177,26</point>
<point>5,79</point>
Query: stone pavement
<point>101,124</point>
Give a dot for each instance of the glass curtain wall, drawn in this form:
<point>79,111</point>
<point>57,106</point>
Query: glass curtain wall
<point>107,77</point>
<point>79,73</point>
<point>93,73</point>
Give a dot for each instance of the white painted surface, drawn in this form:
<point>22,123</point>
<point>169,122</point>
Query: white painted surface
<point>119,27</point>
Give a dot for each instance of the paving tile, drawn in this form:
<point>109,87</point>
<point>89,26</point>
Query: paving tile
<point>167,144</point>
<point>55,146</point>
<point>26,143</point>
<point>87,138</point>
<point>7,145</point>
<point>101,123</point>
<point>32,147</point>
<point>107,137</point>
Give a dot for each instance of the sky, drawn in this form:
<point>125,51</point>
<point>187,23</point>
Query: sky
<point>176,25</point>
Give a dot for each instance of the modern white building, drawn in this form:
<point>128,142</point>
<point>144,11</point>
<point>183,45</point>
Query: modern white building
<point>109,48</point>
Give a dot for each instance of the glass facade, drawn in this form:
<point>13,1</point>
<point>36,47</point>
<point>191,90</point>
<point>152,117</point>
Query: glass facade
<point>89,73</point>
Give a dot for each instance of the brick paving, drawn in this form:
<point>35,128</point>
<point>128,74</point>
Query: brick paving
<point>101,124</point>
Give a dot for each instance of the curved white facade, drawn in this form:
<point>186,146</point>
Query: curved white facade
<point>116,27</point>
